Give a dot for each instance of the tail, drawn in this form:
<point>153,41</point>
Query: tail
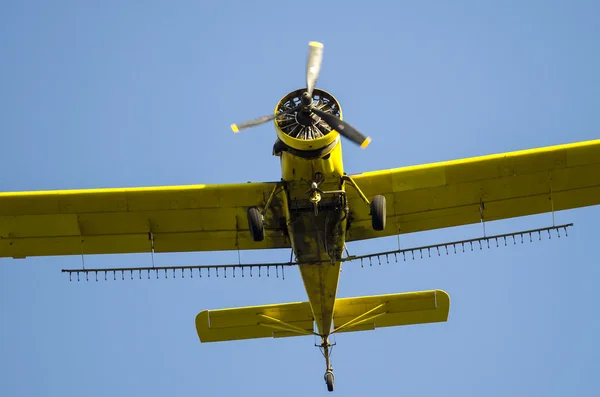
<point>296,319</point>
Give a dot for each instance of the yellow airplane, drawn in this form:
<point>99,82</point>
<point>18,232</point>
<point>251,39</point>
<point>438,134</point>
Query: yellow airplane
<point>314,210</point>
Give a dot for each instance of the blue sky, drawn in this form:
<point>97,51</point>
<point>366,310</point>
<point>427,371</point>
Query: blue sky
<point>118,95</point>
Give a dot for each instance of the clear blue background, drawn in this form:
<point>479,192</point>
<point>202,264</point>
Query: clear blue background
<point>106,94</point>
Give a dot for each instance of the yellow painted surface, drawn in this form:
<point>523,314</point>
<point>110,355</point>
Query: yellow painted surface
<point>448,193</point>
<point>406,308</point>
<point>321,284</point>
<point>244,322</point>
<point>308,231</point>
<point>213,217</point>
<point>247,323</point>
<point>112,221</point>
<point>398,309</point>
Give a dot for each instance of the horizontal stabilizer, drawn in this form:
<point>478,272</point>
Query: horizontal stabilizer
<point>281,320</point>
<point>296,319</point>
<point>370,312</point>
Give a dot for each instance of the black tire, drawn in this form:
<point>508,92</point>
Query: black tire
<point>378,212</point>
<point>255,224</point>
<point>329,380</point>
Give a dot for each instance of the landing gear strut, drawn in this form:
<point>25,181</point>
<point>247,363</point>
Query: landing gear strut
<point>326,350</point>
<point>377,206</point>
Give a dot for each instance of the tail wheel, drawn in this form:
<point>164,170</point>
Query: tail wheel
<point>255,224</point>
<point>329,380</point>
<point>378,213</point>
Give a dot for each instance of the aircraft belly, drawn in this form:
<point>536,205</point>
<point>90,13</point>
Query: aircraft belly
<point>321,283</point>
<point>319,238</point>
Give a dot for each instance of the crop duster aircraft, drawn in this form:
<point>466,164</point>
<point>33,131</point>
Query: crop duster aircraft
<point>314,210</point>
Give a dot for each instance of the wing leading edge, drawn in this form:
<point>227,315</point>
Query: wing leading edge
<point>116,221</point>
<point>505,185</point>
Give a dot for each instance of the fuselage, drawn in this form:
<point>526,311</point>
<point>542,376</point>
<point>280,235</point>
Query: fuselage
<point>315,236</point>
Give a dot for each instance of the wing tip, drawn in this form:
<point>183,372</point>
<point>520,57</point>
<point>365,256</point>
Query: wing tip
<point>235,128</point>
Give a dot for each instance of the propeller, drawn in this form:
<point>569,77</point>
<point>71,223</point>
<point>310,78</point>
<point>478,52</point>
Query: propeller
<point>261,120</point>
<point>313,65</point>
<point>313,69</point>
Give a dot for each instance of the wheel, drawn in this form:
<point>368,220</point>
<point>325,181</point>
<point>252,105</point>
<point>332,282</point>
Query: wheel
<point>378,212</point>
<point>255,224</point>
<point>329,380</point>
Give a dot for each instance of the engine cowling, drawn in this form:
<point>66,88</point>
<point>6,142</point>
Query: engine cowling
<point>300,132</point>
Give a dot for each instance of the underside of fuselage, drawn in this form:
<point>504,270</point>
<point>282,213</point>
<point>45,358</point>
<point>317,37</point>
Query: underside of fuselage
<point>317,238</point>
<point>317,208</point>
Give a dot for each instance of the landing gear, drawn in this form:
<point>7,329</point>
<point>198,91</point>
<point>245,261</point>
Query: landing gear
<point>256,217</point>
<point>255,224</point>
<point>326,350</point>
<point>329,380</point>
<point>377,206</point>
<point>378,213</point>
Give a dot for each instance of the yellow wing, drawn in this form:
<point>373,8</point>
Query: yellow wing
<point>111,221</point>
<point>451,193</point>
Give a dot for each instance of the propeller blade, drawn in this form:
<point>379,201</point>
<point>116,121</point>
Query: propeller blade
<point>343,128</point>
<point>261,120</point>
<point>313,65</point>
